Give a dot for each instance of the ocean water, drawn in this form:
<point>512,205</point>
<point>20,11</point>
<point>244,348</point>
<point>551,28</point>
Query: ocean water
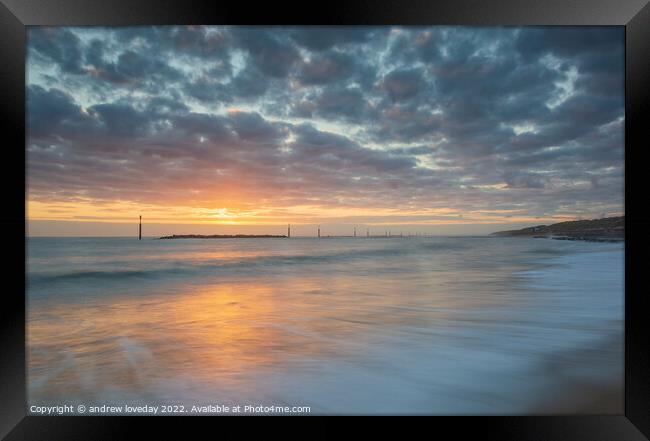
<point>427,325</point>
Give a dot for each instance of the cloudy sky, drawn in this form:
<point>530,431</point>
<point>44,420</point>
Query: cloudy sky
<point>244,129</point>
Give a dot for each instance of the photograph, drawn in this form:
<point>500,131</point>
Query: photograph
<point>325,220</point>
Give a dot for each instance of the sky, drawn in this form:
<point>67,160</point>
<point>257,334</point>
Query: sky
<point>436,130</point>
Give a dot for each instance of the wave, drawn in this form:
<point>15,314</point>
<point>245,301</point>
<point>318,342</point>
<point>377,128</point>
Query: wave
<point>547,252</point>
<point>443,246</point>
<point>186,268</point>
<point>37,279</point>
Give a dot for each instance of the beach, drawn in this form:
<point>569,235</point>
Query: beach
<point>426,325</point>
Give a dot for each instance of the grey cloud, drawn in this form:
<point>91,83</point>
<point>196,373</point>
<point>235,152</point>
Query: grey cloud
<point>215,128</point>
<point>525,180</point>
<point>180,40</point>
<point>208,91</point>
<point>409,151</point>
<point>250,83</point>
<point>130,68</point>
<point>471,102</point>
<point>403,84</point>
<point>197,41</point>
<point>346,153</point>
<point>59,45</point>
<point>569,41</point>
<point>341,103</point>
<point>46,110</point>
<point>120,119</point>
<point>270,53</point>
<point>326,68</point>
<point>253,128</point>
<point>319,38</point>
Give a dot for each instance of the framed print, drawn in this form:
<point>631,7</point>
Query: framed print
<point>408,209</point>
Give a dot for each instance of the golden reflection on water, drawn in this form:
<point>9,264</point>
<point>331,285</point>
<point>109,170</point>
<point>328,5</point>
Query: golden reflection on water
<point>222,335</point>
<point>208,334</point>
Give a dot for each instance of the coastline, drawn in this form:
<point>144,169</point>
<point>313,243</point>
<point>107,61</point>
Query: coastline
<point>603,239</point>
<point>611,229</point>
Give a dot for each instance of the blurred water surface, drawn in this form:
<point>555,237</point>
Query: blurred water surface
<point>431,325</point>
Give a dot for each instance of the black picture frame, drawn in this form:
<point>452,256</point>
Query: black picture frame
<point>15,15</point>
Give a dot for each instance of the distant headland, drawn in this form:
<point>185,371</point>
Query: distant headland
<point>609,229</point>
<point>221,236</point>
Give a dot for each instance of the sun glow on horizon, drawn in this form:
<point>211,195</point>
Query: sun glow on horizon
<point>125,212</point>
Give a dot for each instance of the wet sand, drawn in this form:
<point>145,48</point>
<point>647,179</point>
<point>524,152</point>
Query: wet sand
<point>584,392</point>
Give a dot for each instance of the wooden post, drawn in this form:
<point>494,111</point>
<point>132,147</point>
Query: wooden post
<point>289,230</point>
<point>140,229</point>
<point>319,231</point>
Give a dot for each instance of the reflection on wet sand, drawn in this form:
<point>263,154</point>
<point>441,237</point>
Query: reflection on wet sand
<point>423,332</point>
<point>211,335</point>
<point>216,335</point>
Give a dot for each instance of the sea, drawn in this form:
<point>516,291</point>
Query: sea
<point>351,326</point>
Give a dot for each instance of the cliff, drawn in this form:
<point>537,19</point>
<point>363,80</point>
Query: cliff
<point>605,229</point>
